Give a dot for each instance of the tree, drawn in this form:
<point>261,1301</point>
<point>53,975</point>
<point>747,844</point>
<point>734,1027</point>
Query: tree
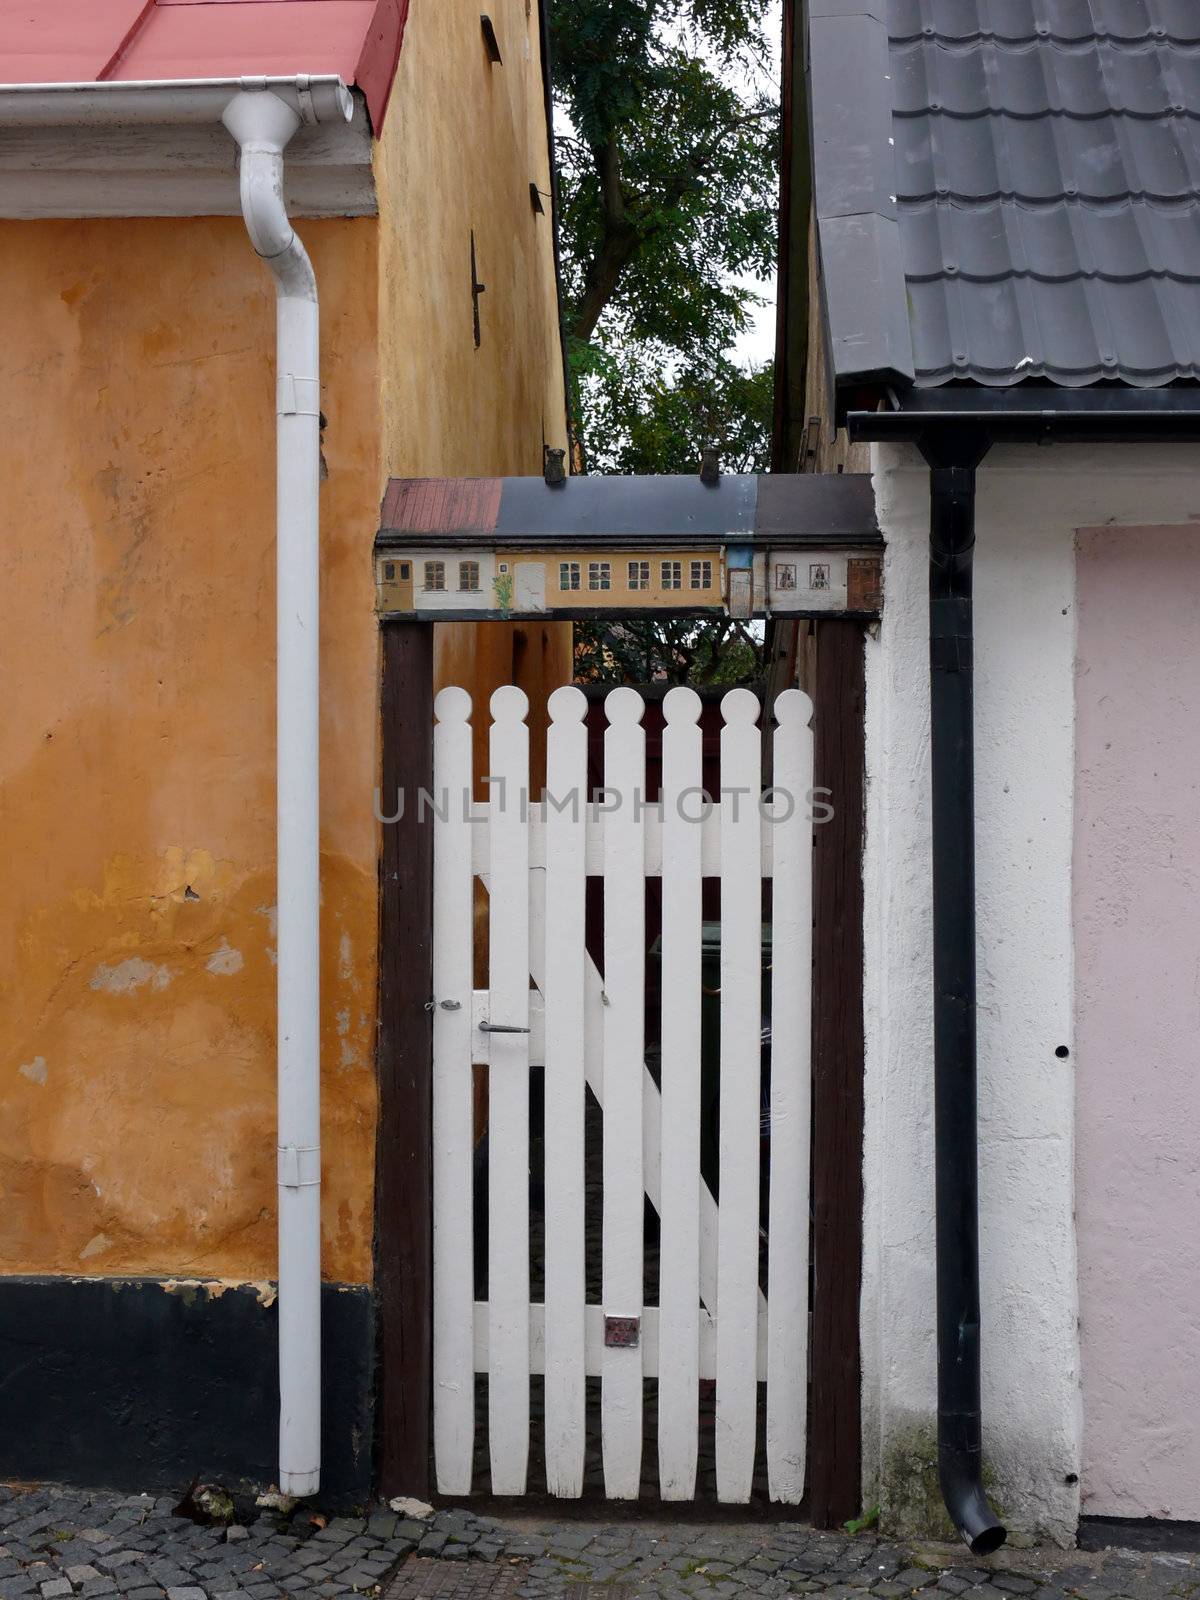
<point>667,136</point>
<point>697,650</point>
<point>647,415</point>
<point>668,165</point>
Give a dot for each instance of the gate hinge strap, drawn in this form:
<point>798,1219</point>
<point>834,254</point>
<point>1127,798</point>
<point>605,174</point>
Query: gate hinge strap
<point>299,1166</point>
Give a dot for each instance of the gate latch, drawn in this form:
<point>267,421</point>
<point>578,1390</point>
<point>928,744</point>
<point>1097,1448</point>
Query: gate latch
<point>501,1027</point>
<point>622,1333</point>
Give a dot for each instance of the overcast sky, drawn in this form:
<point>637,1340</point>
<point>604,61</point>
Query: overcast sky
<point>757,344</point>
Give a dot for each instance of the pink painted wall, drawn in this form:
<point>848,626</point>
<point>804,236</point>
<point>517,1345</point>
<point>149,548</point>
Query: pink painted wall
<point>1137,976</point>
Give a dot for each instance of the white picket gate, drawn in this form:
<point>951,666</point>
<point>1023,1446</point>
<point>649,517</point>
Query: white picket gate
<point>547,1004</point>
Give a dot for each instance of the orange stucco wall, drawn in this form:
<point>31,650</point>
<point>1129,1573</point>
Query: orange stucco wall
<point>137,747</point>
<point>137,785</point>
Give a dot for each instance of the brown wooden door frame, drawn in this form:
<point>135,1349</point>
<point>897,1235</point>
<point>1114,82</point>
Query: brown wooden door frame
<point>835,679</point>
<point>404,1168</point>
<point>404,1130</point>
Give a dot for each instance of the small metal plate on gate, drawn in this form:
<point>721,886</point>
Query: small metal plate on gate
<point>427,1578</point>
<point>622,1333</point>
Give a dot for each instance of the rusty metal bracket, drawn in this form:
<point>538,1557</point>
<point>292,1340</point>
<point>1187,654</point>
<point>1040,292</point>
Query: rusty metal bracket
<point>622,1333</point>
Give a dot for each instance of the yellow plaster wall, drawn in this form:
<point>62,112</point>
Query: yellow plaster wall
<point>137,747</point>
<point>137,660</point>
<point>463,141</point>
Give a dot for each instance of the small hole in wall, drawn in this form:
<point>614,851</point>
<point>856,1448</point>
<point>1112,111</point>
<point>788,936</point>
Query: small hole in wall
<point>1062,1052</point>
<point>1071,1477</point>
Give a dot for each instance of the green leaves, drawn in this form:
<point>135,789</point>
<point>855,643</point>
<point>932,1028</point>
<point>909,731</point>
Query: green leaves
<point>869,1519</point>
<point>701,651</point>
<point>667,132</point>
<point>650,411</point>
<point>668,155</point>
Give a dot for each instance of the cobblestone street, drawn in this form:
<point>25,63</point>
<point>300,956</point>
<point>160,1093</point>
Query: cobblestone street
<point>57,1543</point>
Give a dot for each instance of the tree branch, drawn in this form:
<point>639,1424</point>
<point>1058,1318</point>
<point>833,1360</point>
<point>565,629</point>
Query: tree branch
<point>626,227</point>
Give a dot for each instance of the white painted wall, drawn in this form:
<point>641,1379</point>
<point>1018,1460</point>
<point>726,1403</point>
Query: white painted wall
<point>1031,500</point>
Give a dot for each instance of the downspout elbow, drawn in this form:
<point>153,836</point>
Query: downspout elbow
<point>263,124</point>
<point>960,1476</point>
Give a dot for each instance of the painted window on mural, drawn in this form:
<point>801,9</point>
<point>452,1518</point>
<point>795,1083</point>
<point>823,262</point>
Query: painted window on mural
<point>568,575</point>
<point>435,574</point>
<point>599,574</point>
<point>672,574</point>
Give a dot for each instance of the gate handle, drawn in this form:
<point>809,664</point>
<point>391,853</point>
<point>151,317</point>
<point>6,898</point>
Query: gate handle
<point>500,1027</point>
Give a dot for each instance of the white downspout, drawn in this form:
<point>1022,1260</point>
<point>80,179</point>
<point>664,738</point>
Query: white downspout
<point>262,123</point>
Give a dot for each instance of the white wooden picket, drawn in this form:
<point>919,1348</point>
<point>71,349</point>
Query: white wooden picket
<point>563,984</point>
<point>679,1208</point>
<point>453,1121</point>
<point>508,1095</point>
<point>791,1100</point>
<point>624,1020</point>
<point>741,1051</point>
<point>533,860</point>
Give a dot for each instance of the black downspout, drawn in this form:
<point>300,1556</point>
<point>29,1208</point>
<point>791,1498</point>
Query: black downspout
<point>953,458</point>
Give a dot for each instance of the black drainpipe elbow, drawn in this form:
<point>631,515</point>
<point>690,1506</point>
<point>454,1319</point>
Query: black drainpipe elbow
<point>953,457</point>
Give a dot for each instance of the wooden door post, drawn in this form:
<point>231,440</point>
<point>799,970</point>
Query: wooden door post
<point>835,1435</point>
<point>404,1150</point>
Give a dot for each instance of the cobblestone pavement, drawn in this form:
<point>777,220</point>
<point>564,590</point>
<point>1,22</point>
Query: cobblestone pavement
<point>58,1543</point>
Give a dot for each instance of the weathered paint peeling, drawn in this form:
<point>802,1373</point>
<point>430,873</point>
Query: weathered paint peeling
<point>214,1287</point>
<point>225,960</point>
<point>126,977</point>
<point>36,1070</point>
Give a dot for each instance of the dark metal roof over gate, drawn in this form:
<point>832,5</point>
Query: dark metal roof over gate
<point>1008,189</point>
<point>526,513</point>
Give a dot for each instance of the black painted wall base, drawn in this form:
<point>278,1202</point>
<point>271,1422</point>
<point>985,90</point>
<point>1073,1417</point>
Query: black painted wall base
<point>1138,1533</point>
<point>147,1383</point>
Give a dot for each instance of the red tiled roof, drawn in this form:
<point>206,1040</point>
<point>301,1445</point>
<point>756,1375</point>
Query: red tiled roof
<point>68,41</point>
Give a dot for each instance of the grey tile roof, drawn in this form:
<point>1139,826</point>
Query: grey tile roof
<point>1009,189</point>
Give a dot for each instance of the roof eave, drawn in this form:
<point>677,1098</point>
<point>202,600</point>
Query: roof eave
<point>1025,415</point>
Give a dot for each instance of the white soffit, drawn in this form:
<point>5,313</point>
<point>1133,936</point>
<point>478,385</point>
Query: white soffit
<point>178,170</point>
